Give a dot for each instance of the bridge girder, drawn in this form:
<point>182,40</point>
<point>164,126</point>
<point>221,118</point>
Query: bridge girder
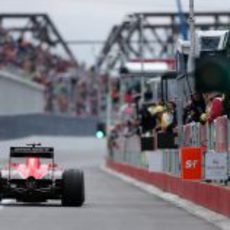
<point>39,26</point>
<point>160,32</point>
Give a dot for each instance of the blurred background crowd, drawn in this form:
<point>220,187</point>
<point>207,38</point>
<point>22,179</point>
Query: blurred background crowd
<point>149,117</point>
<point>68,88</point>
<point>71,89</point>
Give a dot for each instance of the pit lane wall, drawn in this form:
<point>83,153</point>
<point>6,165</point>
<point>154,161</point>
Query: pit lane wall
<point>20,96</point>
<point>162,167</point>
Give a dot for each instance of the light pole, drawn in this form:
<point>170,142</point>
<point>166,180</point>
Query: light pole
<point>192,37</point>
<point>190,70</point>
<point>141,40</point>
<point>109,101</point>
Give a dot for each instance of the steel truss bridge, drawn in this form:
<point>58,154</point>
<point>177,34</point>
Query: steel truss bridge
<point>151,35</point>
<point>38,27</point>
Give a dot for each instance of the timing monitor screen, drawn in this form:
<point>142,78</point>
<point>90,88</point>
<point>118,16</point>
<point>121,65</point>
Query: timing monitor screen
<point>209,43</point>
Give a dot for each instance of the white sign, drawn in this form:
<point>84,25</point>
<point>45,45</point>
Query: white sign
<point>155,161</point>
<point>216,167</point>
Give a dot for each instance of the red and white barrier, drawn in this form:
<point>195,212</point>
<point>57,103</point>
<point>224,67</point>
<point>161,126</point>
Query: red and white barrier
<point>213,197</point>
<point>221,134</point>
<point>210,137</point>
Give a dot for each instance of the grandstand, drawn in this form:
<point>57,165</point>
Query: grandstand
<point>32,48</point>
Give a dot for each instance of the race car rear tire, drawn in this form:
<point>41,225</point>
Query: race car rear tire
<point>73,191</point>
<point>1,195</point>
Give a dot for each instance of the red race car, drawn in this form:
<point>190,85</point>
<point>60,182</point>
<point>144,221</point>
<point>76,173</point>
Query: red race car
<point>32,176</point>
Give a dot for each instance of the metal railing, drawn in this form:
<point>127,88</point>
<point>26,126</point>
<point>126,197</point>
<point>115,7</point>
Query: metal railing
<point>212,137</point>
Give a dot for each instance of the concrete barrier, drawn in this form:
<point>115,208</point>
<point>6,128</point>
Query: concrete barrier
<point>18,126</point>
<point>20,96</point>
<point>211,196</point>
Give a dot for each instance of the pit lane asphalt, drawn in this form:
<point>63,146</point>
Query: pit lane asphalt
<point>111,204</point>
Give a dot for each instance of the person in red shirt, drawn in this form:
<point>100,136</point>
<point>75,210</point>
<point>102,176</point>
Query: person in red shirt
<point>215,107</point>
<point>128,97</point>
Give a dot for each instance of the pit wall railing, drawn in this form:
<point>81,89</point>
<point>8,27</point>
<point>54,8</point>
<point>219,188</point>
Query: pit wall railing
<point>211,136</point>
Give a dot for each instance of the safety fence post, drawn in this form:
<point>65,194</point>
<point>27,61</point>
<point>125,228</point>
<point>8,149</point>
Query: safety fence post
<point>221,134</point>
<point>211,136</point>
<point>187,135</point>
<point>203,132</point>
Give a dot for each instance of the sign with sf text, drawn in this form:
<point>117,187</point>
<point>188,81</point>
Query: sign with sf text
<point>191,163</point>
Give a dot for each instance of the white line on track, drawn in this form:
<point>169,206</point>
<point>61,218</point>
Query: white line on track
<point>6,202</point>
<point>214,218</point>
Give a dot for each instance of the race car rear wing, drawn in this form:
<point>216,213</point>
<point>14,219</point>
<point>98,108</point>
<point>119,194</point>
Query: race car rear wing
<point>36,152</point>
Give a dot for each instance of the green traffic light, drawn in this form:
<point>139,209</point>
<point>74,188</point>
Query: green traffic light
<point>100,134</point>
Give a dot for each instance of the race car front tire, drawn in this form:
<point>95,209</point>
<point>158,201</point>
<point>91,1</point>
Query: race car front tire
<point>73,191</point>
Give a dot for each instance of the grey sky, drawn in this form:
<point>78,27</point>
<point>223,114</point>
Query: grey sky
<point>93,19</point>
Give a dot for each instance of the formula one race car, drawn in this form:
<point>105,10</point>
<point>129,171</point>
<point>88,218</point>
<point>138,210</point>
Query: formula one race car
<point>38,178</point>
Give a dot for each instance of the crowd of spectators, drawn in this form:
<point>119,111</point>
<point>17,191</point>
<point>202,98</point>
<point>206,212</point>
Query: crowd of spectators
<point>35,62</point>
<point>159,117</point>
<point>204,108</point>
<point>87,96</point>
<point>149,118</point>
<point>152,117</point>
<point>162,117</point>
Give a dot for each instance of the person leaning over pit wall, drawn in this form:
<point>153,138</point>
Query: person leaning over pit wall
<point>170,116</point>
<point>195,108</point>
<point>214,108</point>
<point>147,118</point>
<point>160,119</point>
<point>167,118</point>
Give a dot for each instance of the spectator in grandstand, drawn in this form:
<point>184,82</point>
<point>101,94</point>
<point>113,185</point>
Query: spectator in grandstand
<point>49,98</point>
<point>128,97</point>
<point>115,94</point>
<point>194,110</point>
<point>93,100</point>
<point>80,109</point>
<point>36,63</point>
<point>115,97</point>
